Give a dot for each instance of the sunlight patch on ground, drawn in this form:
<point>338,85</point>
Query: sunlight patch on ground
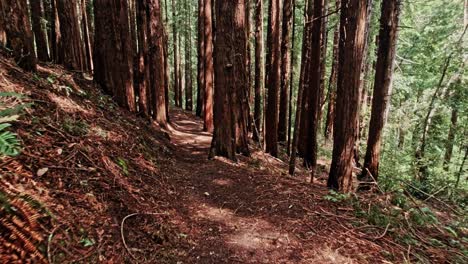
<point>68,105</point>
<point>327,255</point>
<point>105,134</point>
<point>247,233</point>
<point>223,182</point>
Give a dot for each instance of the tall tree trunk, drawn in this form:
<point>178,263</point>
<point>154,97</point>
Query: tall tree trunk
<point>37,14</point>
<point>291,79</point>
<point>176,54</point>
<point>462,166</point>
<point>86,37</point>
<point>208,66</point>
<point>188,59</point>
<point>259,70</point>
<point>450,138</point>
<point>72,50</point>
<point>333,80</point>
<point>352,39</point>
<point>200,59</point>
<point>383,83</point>
<point>113,56</point>
<point>313,80</point>
<point>305,68</point>
<point>248,65</point>
<point>55,36</point>
<point>323,61</point>
<point>18,31</point>
<point>285,69</point>
<point>230,76</point>
<point>156,62</point>
<point>273,77</point>
<point>143,59</point>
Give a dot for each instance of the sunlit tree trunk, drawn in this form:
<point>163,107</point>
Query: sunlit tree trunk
<point>208,66</point>
<point>383,83</point>
<point>200,59</point>
<point>37,14</point>
<point>352,41</point>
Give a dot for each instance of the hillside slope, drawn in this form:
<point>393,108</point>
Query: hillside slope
<point>95,184</point>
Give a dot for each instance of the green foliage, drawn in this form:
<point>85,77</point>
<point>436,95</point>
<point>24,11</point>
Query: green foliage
<point>123,165</point>
<point>336,197</point>
<point>75,127</point>
<point>9,143</point>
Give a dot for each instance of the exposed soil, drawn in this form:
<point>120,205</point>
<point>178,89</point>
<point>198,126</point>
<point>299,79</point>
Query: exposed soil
<point>120,190</point>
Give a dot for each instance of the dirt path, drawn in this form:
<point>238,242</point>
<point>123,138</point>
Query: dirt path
<point>240,213</point>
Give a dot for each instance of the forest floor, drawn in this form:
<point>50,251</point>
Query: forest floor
<point>97,184</point>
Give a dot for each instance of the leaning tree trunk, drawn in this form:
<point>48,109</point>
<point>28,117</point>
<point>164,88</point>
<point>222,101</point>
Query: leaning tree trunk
<point>259,71</point>
<point>352,39</point>
<point>18,31</point>
<point>86,37</point>
<point>37,14</point>
<point>273,78</point>
<point>113,56</point>
<point>231,76</point>
<point>383,83</point>
<point>208,66</point>
<point>72,50</point>
<point>285,69</point>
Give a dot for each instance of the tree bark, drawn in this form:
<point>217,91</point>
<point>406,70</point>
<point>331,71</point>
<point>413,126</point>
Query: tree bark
<point>113,56</point>
<point>72,50</point>
<point>291,78</point>
<point>208,67</point>
<point>143,60</point>
<point>37,14</point>
<point>230,77</point>
<point>176,55</point>
<point>200,59</point>
<point>188,59</point>
<point>285,69</point>
<point>450,139</point>
<point>313,80</point>
<point>383,83</point>
<point>332,81</point>
<point>323,61</point>
<point>156,62</point>
<point>18,31</point>
<point>259,71</point>
<point>352,40</point>
<point>86,37</point>
<point>273,77</point>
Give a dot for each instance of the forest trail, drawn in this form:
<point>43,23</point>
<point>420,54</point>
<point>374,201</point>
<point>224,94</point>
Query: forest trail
<point>243,213</point>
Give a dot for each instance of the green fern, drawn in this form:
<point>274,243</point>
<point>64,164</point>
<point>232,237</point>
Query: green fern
<point>9,143</point>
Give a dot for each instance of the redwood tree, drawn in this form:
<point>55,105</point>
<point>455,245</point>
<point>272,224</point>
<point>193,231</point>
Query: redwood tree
<point>382,83</point>
<point>352,40</point>
<point>208,66</point>
<point>18,31</point>
<point>37,14</point>
<point>200,59</point>
<point>286,43</point>
<point>72,50</point>
<point>188,58</point>
<point>259,70</point>
<point>113,55</point>
<point>231,77</point>
<point>273,78</point>
<point>175,51</point>
<point>142,76</point>
<point>156,62</point>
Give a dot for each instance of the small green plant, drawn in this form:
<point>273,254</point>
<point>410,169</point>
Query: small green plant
<point>75,127</point>
<point>9,143</point>
<point>422,216</point>
<point>336,197</point>
<point>123,165</point>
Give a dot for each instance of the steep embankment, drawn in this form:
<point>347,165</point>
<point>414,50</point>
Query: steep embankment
<point>94,183</point>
